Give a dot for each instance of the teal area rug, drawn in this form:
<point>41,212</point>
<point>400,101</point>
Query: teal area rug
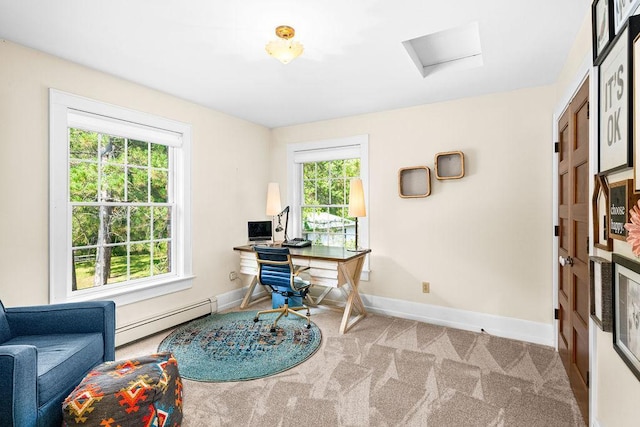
<point>232,347</point>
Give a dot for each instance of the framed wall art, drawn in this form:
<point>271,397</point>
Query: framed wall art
<point>622,9</point>
<point>601,26</point>
<point>626,311</point>
<point>615,150</point>
<point>600,293</point>
<point>600,212</point>
<point>620,201</point>
<point>634,22</point>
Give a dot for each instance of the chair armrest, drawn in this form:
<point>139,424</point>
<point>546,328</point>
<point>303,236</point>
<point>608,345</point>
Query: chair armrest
<point>18,372</point>
<point>69,318</point>
<point>297,269</point>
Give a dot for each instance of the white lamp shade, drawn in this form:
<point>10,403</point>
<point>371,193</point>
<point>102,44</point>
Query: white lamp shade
<point>356,199</point>
<point>273,199</point>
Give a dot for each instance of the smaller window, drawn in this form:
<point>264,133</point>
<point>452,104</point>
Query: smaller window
<point>324,209</point>
<point>319,175</point>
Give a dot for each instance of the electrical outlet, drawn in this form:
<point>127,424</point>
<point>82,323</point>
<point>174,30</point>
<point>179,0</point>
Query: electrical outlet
<point>233,275</point>
<point>425,287</point>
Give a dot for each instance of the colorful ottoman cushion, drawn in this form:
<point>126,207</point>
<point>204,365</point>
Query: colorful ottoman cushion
<point>146,391</point>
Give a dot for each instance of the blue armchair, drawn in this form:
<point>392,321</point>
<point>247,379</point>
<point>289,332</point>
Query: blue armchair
<point>45,351</point>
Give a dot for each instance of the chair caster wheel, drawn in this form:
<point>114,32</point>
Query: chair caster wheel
<point>308,326</point>
<point>255,319</point>
<point>273,330</point>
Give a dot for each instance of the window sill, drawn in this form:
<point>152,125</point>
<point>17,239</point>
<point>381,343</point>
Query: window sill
<point>130,294</point>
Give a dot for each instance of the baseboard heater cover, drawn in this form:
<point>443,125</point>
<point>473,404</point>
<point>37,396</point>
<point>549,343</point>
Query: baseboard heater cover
<point>149,326</point>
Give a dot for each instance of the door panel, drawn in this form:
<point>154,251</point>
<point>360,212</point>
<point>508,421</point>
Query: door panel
<point>573,244</point>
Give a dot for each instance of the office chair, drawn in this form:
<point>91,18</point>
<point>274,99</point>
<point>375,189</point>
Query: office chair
<point>276,271</point>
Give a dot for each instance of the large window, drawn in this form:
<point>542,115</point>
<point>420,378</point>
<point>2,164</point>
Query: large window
<point>119,191</point>
<point>119,202</point>
<point>319,177</point>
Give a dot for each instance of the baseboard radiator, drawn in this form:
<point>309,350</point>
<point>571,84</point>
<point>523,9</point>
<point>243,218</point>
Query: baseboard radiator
<point>149,326</point>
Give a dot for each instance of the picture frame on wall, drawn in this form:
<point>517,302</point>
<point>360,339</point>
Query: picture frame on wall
<point>620,201</point>
<point>615,149</point>
<point>600,213</point>
<point>616,100</point>
<point>626,311</point>
<point>635,61</point>
<point>600,293</point>
<point>601,25</point>
<point>622,9</point>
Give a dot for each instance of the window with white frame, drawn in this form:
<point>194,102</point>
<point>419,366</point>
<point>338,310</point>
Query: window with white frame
<point>319,176</point>
<point>120,202</point>
<point>324,204</point>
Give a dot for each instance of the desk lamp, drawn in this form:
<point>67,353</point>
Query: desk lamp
<point>274,208</point>
<point>356,203</point>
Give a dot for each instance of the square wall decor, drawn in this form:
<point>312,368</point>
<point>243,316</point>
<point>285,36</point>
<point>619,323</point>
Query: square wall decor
<point>414,182</point>
<point>449,165</point>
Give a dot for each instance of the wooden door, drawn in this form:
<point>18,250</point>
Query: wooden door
<point>573,245</point>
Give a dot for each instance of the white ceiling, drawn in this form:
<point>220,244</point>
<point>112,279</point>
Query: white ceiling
<point>212,52</point>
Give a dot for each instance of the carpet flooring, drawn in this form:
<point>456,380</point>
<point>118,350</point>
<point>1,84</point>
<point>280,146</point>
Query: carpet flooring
<point>392,372</point>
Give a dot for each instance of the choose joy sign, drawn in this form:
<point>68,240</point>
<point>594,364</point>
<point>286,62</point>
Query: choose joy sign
<point>614,106</point>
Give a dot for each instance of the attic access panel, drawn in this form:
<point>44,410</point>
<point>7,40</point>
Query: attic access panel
<point>455,48</point>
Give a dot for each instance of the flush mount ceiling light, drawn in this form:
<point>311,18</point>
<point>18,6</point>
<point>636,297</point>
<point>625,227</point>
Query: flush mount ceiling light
<point>284,49</point>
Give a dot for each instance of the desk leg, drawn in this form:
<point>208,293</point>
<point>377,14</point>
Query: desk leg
<point>351,272</point>
<point>320,297</point>
<point>246,301</point>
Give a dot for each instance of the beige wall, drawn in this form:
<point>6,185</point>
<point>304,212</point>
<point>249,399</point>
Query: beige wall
<point>229,176</point>
<point>484,241</point>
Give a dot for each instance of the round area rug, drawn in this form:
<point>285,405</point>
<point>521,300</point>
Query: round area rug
<point>232,347</point>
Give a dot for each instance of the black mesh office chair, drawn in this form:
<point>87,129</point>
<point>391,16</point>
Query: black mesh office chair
<point>276,271</point>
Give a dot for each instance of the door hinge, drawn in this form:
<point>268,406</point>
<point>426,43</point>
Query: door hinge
<point>587,244</point>
<point>556,147</point>
<point>588,110</point>
<point>556,314</point>
<point>556,230</point>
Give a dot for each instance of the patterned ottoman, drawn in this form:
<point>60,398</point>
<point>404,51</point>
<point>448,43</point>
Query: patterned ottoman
<point>146,391</point>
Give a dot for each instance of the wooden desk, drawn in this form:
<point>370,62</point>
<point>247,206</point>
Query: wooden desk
<point>329,267</point>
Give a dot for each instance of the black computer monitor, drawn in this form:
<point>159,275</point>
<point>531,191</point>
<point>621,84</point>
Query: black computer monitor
<point>259,231</point>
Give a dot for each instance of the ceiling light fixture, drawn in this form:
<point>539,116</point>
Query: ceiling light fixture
<point>284,49</point>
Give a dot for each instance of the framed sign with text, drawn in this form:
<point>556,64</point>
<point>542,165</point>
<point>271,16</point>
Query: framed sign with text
<point>616,100</point>
<point>601,25</point>
<point>614,142</point>
<point>634,22</point>
<point>622,9</point>
<point>620,201</point>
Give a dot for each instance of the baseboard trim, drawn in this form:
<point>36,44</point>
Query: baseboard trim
<point>151,325</point>
<point>232,299</point>
<point>507,327</point>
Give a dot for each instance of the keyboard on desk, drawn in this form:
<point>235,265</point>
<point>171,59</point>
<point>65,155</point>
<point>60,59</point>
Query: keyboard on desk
<point>297,243</point>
